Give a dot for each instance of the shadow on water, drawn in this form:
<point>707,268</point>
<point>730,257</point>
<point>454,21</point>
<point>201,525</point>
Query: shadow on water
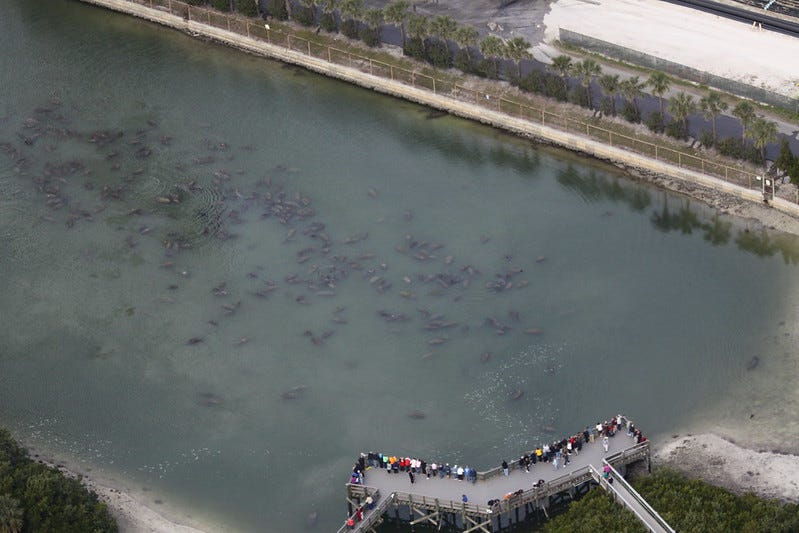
<point>592,187</point>
<point>761,243</point>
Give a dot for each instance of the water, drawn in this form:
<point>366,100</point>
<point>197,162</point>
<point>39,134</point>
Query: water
<point>639,301</point>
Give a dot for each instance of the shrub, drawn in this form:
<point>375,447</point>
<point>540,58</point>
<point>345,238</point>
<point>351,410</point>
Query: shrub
<point>304,15</point>
<point>630,113</point>
<point>578,97</point>
<point>464,62</point>
<point>654,121</point>
<point>677,130</point>
<point>248,8</point>
<point>534,82</point>
<point>706,139</point>
<point>328,23</point>
<point>350,29</point>
<point>414,47</point>
<point>554,88</point>
<point>277,8</point>
<point>370,37</point>
<point>606,105</point>
<point>438,54</point>
<point>487,69</point>
<point>221,5</point>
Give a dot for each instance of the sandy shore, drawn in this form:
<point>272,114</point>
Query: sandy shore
<point>721,462</point>
<point>132,515</point>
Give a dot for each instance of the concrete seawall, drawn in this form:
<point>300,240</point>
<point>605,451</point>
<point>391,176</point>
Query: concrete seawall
<point>644,167</point>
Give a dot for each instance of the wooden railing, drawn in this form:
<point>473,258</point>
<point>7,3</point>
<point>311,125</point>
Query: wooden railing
<point>413,77</point>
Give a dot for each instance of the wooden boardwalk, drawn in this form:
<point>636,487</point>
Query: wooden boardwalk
<point>440,501</point>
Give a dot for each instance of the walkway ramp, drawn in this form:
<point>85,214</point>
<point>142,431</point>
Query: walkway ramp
<point>624,494</point>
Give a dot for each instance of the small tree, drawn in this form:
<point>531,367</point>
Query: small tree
<point>517,50</point>
<point>660,84</point>
<point>492,48</point>
<point>762,132</point>
<point>611,88</point>
<point>562,65</point>
<point>745,112</point>
<point>372,18</point>
<point>443,27</point>
<point>466,37</point>
<point>787,162</point>
<point>681,106</point>
<point>351,12</point>
<point>586,70</point>
<point>398,13</point>
<point>328,20</point>
<point>712,106</point>
<point>417,31</point>
<point>10,515</point>
<point>632,88</point>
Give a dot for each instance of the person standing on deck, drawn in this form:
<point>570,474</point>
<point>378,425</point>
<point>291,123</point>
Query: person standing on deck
<point>605,442</point>
<point>411,476</point>
<point>505,467</point>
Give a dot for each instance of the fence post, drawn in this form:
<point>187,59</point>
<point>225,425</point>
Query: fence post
<point>208,16</point>
<point>349,58</point>
<point>679,159</point>
<point>543,113</point>
<point>309,48</point>
<point>391,69</point>
<point>288,41</point>
<point>656,152</point>
<point>434,85</point>
<point>248,30</point>
<point>371,71</point>
<point>610,138</point>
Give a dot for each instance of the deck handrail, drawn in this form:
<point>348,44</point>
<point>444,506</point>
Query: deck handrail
<point>371,516</point>
<point>640,499</point>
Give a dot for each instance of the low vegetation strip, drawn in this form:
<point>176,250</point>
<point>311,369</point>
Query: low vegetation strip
<point>35,497</point>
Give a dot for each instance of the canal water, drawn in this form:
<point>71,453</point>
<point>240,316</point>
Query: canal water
<point>223,277</point>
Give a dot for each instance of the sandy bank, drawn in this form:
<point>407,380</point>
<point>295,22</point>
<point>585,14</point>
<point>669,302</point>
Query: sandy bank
<point>726,464</point>
<point>132,515</point>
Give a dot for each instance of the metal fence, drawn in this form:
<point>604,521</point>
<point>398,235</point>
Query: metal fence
<point>538,114</point>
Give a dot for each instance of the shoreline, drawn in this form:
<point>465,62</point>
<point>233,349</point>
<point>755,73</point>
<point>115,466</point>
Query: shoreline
<point>723,462</point>
<point>728,198</point>
<point>132,515</point>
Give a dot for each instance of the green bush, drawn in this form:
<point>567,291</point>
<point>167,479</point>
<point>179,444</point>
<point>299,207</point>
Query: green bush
<point>350,28</point>
<point>654,121</point>
<point>221,5</point>
<point>49,500</point>
<point>578,97</point>
<point>370,37</point>
<point>248,8</point>
<point>630,113</point>
<point>606,105</point>
<point>414,47</point>
<point>677,130</point>
<point>534,82</point>
<point>464,62</point>
<point>706,139</point>
<point>277,9</point>
<point>487,69</point>
<point>304,15</point>
<point>554,88</point>
<point>438,54</point>
<point>596,511</point>
<point>328,23</point>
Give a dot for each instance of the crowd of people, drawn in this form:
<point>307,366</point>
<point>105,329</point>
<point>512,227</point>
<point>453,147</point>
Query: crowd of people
<point>558,454</point>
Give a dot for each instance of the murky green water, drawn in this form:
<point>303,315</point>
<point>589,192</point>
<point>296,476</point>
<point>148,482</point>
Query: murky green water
<point>340,260</point>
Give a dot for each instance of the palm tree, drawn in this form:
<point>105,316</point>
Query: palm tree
<point>611,87</point>
<point>517,49</point>
<point>712,106</point>
<point>373,18</point>
<point>632,88</point>
<point>329,6</point>
<point>417,29</point>
<point>762,132</point>
<point>10,515</point>
<point>680,106</point>
<point>466,37</point>
<point>586,70</point>
<point>660,84</point>
<point>492,47</point>
<point>351,10</point>
<point>397,13</point>
<point>443,27</point>
<point>563,66</point>
<point>746,114</point>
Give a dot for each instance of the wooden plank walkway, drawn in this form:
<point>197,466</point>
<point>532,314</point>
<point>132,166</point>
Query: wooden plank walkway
<point>440,501</point>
